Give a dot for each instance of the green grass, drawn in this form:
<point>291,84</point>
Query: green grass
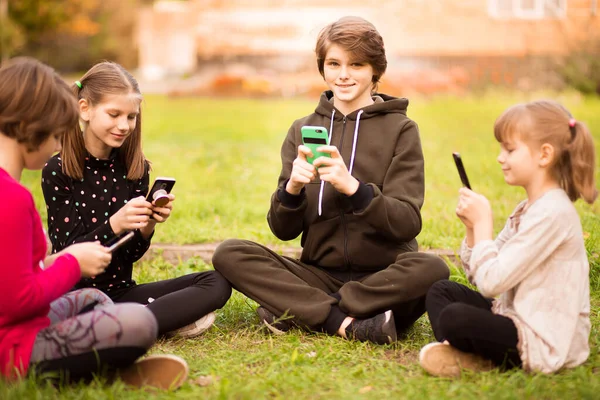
<point>225,155</point>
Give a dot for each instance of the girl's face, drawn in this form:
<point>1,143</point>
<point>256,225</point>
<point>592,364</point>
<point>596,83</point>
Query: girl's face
<point>109,123</point>
<point>350,81</point>
<point>38,158</point>
<point>520,164</point>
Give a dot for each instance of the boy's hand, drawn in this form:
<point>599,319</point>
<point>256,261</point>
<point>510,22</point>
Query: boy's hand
<point>302,171</point>
<point>334,171</point>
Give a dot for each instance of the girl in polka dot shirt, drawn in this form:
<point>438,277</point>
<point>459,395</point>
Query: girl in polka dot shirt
<point>95,190</point>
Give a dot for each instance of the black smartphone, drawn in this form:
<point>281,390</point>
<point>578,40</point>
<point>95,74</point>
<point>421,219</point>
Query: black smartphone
<point>161,187</point>
<point>119,241</point>
<point>461,170</point>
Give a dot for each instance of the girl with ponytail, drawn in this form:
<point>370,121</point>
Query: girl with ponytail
<point>533,305</point>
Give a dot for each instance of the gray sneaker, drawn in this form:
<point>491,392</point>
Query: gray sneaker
<point>379,329</point>
<point>196,328</point>
<point>276,325</point>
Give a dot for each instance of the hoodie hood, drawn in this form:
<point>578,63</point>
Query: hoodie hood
<point>384,104</point>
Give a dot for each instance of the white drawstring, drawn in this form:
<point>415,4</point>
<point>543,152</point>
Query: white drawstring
<point>354,142</point>
<point>323,182</point>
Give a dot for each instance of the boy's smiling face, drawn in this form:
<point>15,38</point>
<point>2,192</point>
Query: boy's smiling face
<point>351,81</point>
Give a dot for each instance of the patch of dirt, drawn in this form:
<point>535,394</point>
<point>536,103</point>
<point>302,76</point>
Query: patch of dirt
<point>403,357</point>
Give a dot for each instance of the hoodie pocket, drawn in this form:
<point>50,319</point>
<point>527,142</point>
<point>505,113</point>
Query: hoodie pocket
<point>323,244</point>
<point>367,249</point>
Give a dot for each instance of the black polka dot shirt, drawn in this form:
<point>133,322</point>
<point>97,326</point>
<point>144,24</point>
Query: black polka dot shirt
<point>78,211</point>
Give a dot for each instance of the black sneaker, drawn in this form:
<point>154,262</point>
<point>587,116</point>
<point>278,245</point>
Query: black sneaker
<point>276,325</point>
<point>379,329</point>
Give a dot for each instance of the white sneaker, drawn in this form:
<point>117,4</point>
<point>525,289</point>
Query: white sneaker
<point>196,328</point>
<point>160,371</point>
<point>441,359</point>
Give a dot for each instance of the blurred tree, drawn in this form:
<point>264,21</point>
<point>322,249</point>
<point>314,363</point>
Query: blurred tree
<point>11,35</point>
<point>71,35</point>
<point>581,68</point>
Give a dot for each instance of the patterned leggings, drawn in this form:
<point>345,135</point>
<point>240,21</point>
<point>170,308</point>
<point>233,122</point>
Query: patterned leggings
<point>89,332</point>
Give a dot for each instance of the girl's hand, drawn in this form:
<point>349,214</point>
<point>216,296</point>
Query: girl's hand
<point>133,215</point>
<point>161,214</point>
<point>93,258</point>
<point>475,211</point>
<point>302,171</point>
<point>334,171</point>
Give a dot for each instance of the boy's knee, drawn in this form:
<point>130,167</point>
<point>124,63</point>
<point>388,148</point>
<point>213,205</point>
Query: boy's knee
<point>438,267</point>
<point>226,254</point>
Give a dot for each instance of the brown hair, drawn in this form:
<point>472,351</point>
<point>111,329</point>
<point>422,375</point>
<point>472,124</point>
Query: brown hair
<point>357,36</point>
<point>547,121</point>
<point>105,78</point>
<point>35,102</point>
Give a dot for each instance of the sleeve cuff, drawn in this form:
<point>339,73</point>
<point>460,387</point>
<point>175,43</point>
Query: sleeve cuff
<point>141,237</point>
<point>74,269</point>
<point>362,198</point>
<point>290,200</point>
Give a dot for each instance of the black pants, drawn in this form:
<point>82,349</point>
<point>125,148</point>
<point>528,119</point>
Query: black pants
<point>465,319</point>
<point>319,300</point>
<point>84,366</point>
<point>180,301</point>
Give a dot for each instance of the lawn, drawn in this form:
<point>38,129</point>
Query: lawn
<point>225,156</point>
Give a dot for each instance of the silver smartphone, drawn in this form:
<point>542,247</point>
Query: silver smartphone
<point>121,241</point>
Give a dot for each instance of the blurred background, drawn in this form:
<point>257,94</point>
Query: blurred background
<point>265,48</point>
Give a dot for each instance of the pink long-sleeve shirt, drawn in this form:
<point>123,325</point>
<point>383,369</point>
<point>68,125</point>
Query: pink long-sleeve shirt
<point>26,289</point>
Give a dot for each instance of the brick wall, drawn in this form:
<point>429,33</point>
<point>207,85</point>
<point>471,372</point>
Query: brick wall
<point>435,33</point>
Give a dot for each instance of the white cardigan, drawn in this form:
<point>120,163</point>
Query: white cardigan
<point>538,268</point>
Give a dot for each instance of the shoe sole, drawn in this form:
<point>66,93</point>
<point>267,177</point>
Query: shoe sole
<point>443,360</point>
<point>269,326</point>
<point>161,371</point>
<point>200,327</point>
<point>389,327</point>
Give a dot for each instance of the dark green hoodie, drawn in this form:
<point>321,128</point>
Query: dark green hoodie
<point>365,231</point>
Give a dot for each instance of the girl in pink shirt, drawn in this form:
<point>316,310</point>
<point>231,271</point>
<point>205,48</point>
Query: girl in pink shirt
<point>40,326</point>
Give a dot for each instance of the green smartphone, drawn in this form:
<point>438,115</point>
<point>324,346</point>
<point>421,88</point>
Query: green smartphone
<point>314,137</point>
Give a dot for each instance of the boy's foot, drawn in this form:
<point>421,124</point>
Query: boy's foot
<point>196,328</point>
<point>379,329</point>
<point>161,371</point>
<point>274,324</point>
<point>441,359</point>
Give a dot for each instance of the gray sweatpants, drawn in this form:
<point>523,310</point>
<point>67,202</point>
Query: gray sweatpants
<point>80,344</point>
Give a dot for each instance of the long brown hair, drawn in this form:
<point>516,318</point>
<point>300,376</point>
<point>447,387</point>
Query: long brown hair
<point>35,102</point>
<point>546,121</point>
<point>358,37</point>
<point>105,78</point>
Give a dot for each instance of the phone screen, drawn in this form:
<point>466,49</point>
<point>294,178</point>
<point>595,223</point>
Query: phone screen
<point>309,140</point>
